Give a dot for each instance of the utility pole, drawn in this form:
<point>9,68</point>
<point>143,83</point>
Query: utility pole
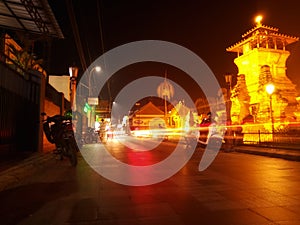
<point>76,34</point>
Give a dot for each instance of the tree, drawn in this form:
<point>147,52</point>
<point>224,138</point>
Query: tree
<point>25,61</point>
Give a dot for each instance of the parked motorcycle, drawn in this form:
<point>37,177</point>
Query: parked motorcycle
<point>58,130</point>
<point>91,135</point>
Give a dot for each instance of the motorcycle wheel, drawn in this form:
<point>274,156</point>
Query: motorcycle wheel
<point>59,152</point>
<point>96,138</point>
<point>214,142</point>
<point>72,154</point>
<point>190,141</point>
<point>88,139</point>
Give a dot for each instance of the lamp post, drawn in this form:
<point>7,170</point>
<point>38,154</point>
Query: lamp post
<point>73,71</point>
<point>109,96</point>
<point>90,97</point>
<point>228,80</point>
<point>97,69</point>
<point>270,88</point>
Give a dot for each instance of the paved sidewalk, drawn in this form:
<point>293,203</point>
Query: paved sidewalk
<point>14,171</point>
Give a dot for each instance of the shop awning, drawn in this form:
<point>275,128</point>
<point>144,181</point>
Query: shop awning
<point>31,16</point>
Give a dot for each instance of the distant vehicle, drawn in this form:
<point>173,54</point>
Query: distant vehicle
<point>206,134</point>
<point>204,129</point>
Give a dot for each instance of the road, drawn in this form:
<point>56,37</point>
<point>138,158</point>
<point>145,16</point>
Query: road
<point>236,189</point>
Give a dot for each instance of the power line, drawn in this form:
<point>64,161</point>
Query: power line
<point>76,34</point>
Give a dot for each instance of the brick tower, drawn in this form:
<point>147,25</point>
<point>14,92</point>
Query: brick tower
<point>261,60</point>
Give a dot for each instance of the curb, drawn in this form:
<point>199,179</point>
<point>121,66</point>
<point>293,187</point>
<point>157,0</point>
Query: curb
<point>270,154</point>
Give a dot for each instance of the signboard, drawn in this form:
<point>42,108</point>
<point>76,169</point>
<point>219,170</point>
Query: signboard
<point>93,101</point>
<point>86,107</point>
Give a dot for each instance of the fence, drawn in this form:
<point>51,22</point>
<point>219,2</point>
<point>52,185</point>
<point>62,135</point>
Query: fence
<point>288,139</point>
<point>19,108</point>
<point>20,103</point>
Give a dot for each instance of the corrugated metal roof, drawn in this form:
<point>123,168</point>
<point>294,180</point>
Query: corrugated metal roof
<point>32,16</point>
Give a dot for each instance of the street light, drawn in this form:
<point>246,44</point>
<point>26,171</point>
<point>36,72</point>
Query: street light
<point>90,99</point>
<point>270,88</point>
<point>228,80</point>
<point>97,69</point>
<point>109,96</point>
<point>73,71</point>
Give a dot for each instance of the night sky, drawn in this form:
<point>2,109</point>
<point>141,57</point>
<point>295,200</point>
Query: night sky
<point>205,27</point>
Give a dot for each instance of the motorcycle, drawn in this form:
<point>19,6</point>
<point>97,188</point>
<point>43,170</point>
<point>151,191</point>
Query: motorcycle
<point>214,137</point>
<point>58,130</point>
<point>207,135</point>
<point>91,135</point>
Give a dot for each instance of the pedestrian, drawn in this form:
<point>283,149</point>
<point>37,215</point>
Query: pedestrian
<point>102,131</point>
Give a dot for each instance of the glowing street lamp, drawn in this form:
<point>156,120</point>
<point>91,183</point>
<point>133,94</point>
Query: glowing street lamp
<point>270,88</point>
<point>97,69</point>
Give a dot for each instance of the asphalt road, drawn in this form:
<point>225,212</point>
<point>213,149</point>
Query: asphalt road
<point>236,189</point>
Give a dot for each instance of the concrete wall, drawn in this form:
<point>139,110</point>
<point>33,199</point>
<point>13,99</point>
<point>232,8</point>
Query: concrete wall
<point>61,84</point>
<point>50,109</point>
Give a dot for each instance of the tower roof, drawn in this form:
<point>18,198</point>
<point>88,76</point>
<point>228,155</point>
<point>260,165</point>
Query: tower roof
<point>260,27</point>
<point>259,34</point>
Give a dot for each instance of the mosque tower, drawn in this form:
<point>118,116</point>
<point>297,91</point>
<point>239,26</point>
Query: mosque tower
<point>261,59</point>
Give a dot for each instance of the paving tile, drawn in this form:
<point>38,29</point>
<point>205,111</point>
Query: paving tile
<point>208,196</point>
<point>84,210</point>
<point>137,211</point>
<point>218,205</point>
<point>278,214</point>
<point>293,208</point>
<point>240,217</point>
